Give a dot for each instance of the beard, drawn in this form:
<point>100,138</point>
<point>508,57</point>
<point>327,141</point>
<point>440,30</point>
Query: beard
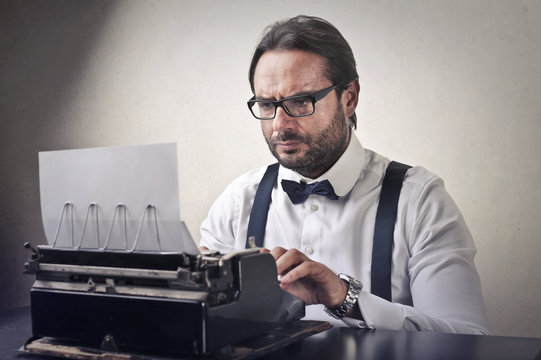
<point>324,148</point>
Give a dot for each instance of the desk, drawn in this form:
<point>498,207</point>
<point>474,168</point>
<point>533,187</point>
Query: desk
<point>339,343</point>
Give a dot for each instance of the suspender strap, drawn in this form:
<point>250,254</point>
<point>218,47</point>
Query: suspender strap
<point>260,208</point>
<point>383,232</point>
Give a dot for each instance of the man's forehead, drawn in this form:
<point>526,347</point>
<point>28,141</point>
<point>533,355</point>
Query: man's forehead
<point>289,71</point>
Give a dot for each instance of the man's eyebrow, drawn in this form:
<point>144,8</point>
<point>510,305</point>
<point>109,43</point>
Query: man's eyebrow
<point>300,93</point>
<point>262,98</point>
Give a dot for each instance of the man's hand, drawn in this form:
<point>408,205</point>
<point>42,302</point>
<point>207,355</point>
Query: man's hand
<point>309,280</point>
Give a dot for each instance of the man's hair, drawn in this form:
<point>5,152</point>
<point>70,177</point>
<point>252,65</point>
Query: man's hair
<point>314,35</point>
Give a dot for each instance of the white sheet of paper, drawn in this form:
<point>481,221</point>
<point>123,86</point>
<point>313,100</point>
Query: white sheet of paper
<point>134,176</point>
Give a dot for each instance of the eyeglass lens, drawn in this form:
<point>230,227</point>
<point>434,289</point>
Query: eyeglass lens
<point>297,106</point>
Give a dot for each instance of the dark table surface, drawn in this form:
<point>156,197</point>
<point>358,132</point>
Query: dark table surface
<point>338,343</point>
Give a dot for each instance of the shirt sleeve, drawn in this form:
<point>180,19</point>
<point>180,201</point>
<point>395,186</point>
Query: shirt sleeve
<point>217,229</point>
<point>445,286</point>
<point>224,229</point>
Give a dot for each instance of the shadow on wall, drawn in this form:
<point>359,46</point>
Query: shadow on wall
<point>44,46</point>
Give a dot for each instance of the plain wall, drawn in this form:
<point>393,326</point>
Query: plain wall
<point>451,85</point>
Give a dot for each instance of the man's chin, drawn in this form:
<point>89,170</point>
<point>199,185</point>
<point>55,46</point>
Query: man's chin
<point>290,161</point>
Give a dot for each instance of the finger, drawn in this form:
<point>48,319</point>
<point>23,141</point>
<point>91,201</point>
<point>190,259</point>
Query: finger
<point>301,270</point>
<point>277,252</point>
<point>264,250</point>
<point>322,285</point>
<point>289,260</point>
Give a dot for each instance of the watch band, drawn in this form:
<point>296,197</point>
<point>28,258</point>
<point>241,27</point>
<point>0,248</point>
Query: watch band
<point>354,289</point>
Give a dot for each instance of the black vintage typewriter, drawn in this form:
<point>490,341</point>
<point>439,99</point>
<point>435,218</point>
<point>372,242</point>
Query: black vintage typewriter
<point>160,304</point>
<point>132,287</point>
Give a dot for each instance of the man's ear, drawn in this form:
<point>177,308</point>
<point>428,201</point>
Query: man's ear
<point>350,97</point>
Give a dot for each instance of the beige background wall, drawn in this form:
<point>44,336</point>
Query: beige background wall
<point>452,85</point>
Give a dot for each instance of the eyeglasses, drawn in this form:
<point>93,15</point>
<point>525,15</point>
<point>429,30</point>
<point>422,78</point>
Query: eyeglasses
<point>295,106</point>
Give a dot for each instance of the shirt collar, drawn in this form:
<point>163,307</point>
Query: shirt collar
<point>342,175</point>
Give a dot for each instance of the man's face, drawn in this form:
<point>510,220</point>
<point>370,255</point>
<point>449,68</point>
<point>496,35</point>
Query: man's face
<point>309,145</point>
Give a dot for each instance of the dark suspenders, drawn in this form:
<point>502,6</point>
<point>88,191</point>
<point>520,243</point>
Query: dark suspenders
<point>382,248</point>
<point>260,208</point>
<point>383,231</point>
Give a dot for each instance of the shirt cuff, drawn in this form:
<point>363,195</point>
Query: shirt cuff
<point>377,313</point>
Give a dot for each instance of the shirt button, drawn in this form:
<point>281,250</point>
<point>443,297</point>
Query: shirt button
<point>314,208</point>
<point>308,250</point>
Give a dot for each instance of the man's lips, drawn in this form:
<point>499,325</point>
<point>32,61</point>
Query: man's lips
<point>289,145</point>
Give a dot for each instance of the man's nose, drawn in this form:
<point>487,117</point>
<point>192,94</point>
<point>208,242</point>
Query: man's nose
<point>282,121</point>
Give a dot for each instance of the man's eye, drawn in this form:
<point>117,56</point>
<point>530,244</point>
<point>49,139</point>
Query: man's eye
<point>300,102</point>
<point>266,105</point>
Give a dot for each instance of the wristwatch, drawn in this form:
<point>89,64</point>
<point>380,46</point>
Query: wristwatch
<point>354,289</point>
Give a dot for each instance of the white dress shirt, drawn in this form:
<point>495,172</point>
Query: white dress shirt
<point>435,285</point>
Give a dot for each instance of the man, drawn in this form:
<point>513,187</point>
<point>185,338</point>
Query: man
<point>306,90</point>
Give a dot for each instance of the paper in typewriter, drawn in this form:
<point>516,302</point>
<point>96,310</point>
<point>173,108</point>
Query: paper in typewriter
<point>113,198</point>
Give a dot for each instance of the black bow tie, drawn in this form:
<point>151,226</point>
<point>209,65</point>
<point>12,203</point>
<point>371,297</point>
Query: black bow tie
<point>299,192</point>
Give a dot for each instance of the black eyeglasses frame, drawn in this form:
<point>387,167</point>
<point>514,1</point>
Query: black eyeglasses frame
<point>315,97</point>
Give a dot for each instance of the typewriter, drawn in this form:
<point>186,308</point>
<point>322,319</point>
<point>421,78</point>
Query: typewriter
<point>121,276</point>
<point>159,304</point>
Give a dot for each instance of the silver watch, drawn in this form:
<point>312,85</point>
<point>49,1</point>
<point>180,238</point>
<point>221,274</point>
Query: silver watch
<point>354,289</point>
